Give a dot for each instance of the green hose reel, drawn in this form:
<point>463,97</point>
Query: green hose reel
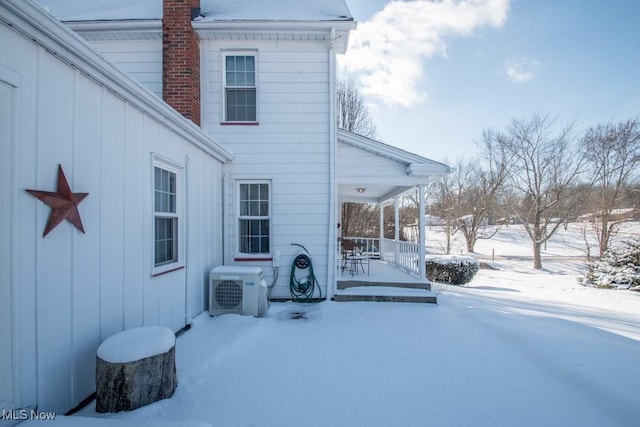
<point>302,289</point>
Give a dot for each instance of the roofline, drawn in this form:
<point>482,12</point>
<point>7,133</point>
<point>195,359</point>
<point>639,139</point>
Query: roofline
<point>416,165</point>
<point>222,24</point>
<point>280,26</point>
<point>273,25</point>
<point>32,22</point>
<point>265,20</point>
<point>116,25</point>
<point>153,27</point>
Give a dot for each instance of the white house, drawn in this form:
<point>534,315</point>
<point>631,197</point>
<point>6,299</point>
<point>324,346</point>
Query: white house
<point>166,194</point>
<point>61,295</point>
<point>279,57</point>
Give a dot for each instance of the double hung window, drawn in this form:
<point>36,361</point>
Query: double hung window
<point>240,87</point>
<point>165,212</point>
<point>254,220</point>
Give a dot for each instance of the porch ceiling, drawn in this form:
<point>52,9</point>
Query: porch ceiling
<point>373,193</point>
<point>369,171</point>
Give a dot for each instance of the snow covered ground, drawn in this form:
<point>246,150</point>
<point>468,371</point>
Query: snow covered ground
<point>512,240</point>
<point>515,347</point>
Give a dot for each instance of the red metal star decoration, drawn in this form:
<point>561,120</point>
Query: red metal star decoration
<point>64,204</point>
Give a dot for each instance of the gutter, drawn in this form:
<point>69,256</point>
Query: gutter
<point>420,169</point>
<point>140,25</point>
<point>333,139</point>
<point>337,32</point>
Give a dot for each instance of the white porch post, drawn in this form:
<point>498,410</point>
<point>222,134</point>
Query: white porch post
<point>396,234</point>
<point>422,268</point>
<point>396,218</point>
<point>381,223</point>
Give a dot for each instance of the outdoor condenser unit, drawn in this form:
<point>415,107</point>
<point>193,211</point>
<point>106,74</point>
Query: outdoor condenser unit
<point>235,289</point>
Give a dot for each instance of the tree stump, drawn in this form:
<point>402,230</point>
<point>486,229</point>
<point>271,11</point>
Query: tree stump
<point>134,368</point>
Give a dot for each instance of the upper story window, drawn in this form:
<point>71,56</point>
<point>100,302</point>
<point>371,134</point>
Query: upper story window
<point>254,217</point>
<point>240,97</point>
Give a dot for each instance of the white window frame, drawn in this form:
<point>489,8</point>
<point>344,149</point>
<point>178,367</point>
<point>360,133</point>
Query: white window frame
<point>225,54</point>
<point>239,218</point>
<point>178,215</point>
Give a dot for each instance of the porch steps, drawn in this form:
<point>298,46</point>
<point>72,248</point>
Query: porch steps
<point>344,284</point>
<point>354,290</point>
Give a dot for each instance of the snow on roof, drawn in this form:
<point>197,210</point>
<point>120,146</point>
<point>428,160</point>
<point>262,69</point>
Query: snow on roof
<point>102,10</point>
<point>212,10</point>
<point>278,10</point>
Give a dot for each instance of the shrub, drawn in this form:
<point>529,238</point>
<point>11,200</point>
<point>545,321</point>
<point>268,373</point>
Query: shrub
<point>455,270</point>
<point>618,269</point>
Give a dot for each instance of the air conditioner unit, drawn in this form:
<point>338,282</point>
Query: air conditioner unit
<point>234,289</point>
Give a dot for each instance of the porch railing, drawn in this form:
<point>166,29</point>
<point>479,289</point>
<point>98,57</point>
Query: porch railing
<point>403,254</point>
<point>367,245</point>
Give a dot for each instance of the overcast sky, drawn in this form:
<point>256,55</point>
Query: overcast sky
<point>436,73</point>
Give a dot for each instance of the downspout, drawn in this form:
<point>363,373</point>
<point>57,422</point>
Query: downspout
<point>225,208</point>
<point>333,135</point>
<point>188,198</point>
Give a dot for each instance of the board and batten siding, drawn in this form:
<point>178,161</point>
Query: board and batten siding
<point>290,147</point>
<point>140,59</point>
<point>72,290</point>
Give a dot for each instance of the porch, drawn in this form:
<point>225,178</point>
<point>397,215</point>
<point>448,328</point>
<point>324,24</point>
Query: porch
<point>383,281</point>
<point>381,268</point>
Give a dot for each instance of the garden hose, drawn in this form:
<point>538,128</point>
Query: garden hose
<point>302,290</point>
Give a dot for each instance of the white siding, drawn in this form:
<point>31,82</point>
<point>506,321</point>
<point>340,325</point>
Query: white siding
<point>140,59</point>
<point>73,290</point>
<point>356,162</point>
<point>290,147</point>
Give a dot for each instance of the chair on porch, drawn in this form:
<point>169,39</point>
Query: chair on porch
<point>351,257</point>
<point>346,248</point>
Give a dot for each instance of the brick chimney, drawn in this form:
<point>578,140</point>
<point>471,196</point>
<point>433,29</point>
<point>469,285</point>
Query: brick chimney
<point>181,58</point>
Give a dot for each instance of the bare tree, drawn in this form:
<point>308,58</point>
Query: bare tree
<point>481,182</point>
<point>353,115</point>
<point>468,199</point>
<point>612,152</point>
<point>409,213</point>
<point>359,220</point>
<point>544,171</point>
<point>444,191</point>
